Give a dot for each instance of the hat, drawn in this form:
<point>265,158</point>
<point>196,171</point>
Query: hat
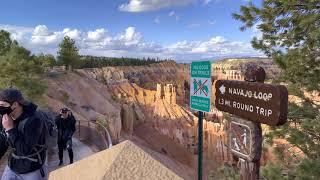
<point>12,95</point>
<point>64,110</point>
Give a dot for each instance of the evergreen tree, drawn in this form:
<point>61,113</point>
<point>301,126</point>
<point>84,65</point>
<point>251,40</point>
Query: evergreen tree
<point>5,42</point>
<point>19,69</point>
<point>46,60</point>
<point>68,53</point>
<point>291,36</point>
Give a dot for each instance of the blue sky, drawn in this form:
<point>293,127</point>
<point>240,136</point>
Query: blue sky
<point>179,29</point>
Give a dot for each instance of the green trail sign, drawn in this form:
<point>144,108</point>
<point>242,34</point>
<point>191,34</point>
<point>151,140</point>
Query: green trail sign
<point>200,86</point>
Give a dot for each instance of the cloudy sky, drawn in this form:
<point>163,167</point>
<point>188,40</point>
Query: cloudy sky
<point>183,30</point>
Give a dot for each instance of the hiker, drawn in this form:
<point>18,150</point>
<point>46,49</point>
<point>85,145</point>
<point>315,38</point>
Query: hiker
<point>24,132</point>
<point>66,125</point>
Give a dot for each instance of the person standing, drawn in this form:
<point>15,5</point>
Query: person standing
<point>25,133</point>
<point>66,125</point>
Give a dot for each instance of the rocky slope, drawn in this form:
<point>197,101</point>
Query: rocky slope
<point>106,94</point>
<point>86,97</point>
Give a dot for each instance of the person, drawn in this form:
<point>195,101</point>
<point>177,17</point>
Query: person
<point>24,131</point>
<point>66,125</point>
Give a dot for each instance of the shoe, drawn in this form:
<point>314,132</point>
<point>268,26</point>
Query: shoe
<point>71,161</point>
<point>60,163</point>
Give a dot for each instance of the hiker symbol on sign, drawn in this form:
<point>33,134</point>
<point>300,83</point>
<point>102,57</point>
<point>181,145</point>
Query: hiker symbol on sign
<point>240,138</point>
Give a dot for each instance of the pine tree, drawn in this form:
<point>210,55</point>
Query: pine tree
<point>291,36</point>
<point>45,60</point>
<point>68,53</point>
<point>5,42</point>
<point>19,69</point>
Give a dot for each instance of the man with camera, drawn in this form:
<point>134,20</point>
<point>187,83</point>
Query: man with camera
<point>24,132</point>
<point>65,123</point>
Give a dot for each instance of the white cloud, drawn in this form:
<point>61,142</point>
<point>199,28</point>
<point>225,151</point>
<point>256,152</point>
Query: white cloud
<point>151,5</point>
<point>216,46</point>
<point>96,35</point>
<point>129,43</point>
<point>42,36</point>
<point>73,34</point>
<point>41,30</point>
<point>130,37</point>
<point>47,40</point>
<point>157,20</point>
<point>18,33</point>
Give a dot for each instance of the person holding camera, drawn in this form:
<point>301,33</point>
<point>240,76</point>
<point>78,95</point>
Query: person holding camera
<point>24,131</point>
<point>66,125</point>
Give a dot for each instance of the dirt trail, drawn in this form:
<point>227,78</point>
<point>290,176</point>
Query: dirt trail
<point>80,151</point>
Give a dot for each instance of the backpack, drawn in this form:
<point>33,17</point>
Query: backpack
<point>50,128</point>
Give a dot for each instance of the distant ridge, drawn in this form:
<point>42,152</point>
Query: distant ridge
<point>221,58</point>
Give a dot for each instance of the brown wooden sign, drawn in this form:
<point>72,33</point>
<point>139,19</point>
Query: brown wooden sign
<point>257,102</point>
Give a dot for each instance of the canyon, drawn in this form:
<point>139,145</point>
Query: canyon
<point>148,105</point>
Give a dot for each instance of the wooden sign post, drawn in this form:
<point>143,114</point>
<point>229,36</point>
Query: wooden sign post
<point>245,139</point>
<point>257,103</point>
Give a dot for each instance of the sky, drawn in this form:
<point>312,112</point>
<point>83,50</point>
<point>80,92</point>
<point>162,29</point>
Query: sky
<point>183,30</point>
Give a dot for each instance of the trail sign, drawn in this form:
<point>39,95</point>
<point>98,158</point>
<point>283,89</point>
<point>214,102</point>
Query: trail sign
<point>200,86</point>
<point>244,135</point>
<point>257,102</point>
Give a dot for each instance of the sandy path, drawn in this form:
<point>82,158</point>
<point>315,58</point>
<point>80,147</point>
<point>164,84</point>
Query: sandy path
<point>80,151</point>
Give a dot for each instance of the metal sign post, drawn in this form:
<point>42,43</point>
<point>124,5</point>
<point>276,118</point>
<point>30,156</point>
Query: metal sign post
<point>200,122</point>
<point>200,99</point>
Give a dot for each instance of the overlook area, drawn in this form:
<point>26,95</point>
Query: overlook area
<point>140,89</point>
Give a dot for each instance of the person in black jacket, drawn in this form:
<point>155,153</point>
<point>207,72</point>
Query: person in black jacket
<point>25,133</point>
<point>66,125</point>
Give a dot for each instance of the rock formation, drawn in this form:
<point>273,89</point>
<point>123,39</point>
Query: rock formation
<point>233,69</point>
<point>167,92</point>
<point>127,118</point>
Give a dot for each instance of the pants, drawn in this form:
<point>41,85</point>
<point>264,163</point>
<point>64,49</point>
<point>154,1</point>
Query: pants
<point>8,174</point>
<point>62,145</point>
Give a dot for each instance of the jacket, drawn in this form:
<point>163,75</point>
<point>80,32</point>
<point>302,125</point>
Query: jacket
<point>26,139</point>
<point>3,141</point>
<point>66,128</point>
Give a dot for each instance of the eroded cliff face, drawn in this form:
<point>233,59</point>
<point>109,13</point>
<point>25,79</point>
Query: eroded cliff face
<point>96,93</point>
<point>86,97</point>
<point>234,69</point>
<point>174,123</point>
